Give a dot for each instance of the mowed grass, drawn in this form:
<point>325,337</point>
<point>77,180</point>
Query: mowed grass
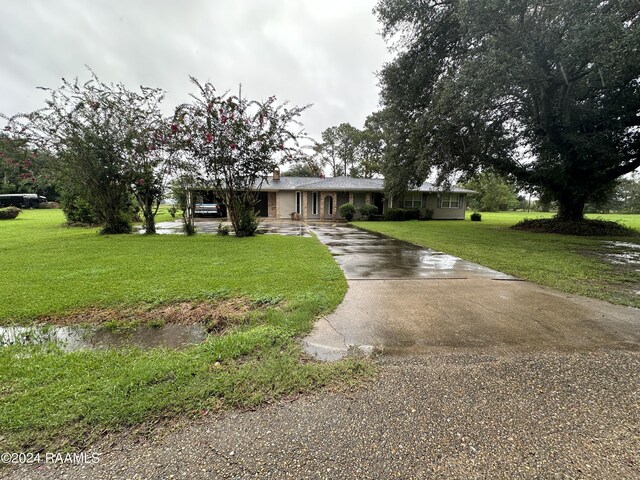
<point>51,399</point>
<point>569,263</point>
<point>48,268</point>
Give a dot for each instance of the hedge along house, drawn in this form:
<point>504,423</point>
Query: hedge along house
<point>316,198</point>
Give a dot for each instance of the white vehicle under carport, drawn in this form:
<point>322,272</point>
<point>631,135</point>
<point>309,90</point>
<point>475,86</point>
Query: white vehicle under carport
<point>208,210</point>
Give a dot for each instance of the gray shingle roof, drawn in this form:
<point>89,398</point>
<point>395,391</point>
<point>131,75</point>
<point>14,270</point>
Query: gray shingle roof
<point>343,184</point>
<point>287,183</point>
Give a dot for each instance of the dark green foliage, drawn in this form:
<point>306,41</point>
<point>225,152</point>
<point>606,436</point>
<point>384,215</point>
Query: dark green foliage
<point>308,168</point>
<point>247,222</point>
<point>476,217</point>
<point>426,214</point>
<point>585,228</point>
<point>495,194</point>
<point>77,210</point>
<point>172,211</point>
<point>394,214</point>
<point>476,84</point>
<point>400,214</point>
<point>368,211</point>
<point>9,213</point>
<point>120,223</point>
<point>188,227</point>
<point>347,211</point>
<point>350,151</point>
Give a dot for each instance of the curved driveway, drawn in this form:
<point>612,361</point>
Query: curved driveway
<point>405,299</point>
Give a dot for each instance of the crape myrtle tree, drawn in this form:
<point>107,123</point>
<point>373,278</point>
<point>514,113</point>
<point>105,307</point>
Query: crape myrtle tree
<point>23,170</point>
<point>546,93</point>
<point>106,143</point>
<point>236,143</point>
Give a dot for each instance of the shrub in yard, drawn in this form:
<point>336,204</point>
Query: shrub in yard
<point>476,217</point>
<point>586,227</point>
<point>188,227</point>
<point>347,211</point>
<point>368,211</point>
<point>294,216</point>
<point>426,214</point>
<point>77,210</point>
<point>9,213</point>
<point>172,211</point>
<point>394,214</point>
<point>223,230</point>
<point>247,223</point>
<point>411,213</point>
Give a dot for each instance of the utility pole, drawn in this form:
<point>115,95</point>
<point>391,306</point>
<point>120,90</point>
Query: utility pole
<point>240,92</point>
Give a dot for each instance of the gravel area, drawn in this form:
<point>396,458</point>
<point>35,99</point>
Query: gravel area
<point>454,415</point>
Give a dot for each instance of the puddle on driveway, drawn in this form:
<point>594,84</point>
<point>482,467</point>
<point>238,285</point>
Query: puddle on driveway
<point>71,338</point>
<point>370,256</point>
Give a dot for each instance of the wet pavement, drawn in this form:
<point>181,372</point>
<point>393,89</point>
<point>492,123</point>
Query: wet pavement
<point>405,299</point>
<point>370,256</point>
<point>210,226</point>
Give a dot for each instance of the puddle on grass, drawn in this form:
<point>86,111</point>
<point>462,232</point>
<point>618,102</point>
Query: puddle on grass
<point>623,253</point>
<point>70,338</point>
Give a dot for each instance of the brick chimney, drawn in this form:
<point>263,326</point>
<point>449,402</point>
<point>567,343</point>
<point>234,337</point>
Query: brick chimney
<point>276,174</point>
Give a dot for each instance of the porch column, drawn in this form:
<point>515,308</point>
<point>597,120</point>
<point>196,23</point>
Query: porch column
<point>303,214</point>
<point>334,213</point>
<point>367,198</point>
<point>273,207</point>
<point>321,196</point>
<point>351,198</point>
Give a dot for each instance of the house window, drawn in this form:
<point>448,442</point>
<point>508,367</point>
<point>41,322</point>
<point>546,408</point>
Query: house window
<point>450,200</point>
<point>314,203</point>
<point>298,202</point>
<point>412,200</point>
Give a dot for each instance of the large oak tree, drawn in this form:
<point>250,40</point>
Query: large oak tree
<point>545,92</point>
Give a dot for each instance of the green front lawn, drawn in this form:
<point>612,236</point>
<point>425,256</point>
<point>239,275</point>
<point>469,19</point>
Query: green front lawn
<point>569,263</point>
<point>49,397</point>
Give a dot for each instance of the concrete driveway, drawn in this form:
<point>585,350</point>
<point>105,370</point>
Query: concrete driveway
<point>405,299</point>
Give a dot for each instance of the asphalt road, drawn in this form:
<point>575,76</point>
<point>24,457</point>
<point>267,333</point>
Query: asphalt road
<point>543,415</point>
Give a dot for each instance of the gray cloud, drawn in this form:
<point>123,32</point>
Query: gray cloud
<point>305,51</point>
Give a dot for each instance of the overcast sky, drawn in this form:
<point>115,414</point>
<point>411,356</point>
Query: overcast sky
<point>324,52</point>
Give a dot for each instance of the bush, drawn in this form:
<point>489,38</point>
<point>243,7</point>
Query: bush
<point>294,216</point>
<point>476,217</point>
<point>78,211</point>
<point>368,211</point>
<point>187,227</point>
<point>9,213</point>
<point>49,205</point>
<point>426,214</point>
<point>347,211</point>
<point>172,211</point>
<point>411,213</point>
<point>584,228</point>
<point>247,223</point>
<point>121,223</point>
<point>394,214</point>
<point>223,230</point>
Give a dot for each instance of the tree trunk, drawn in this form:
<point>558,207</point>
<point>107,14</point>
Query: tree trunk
<point>149,216</point>
<point>149,222</point>
<point>571,208</point>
